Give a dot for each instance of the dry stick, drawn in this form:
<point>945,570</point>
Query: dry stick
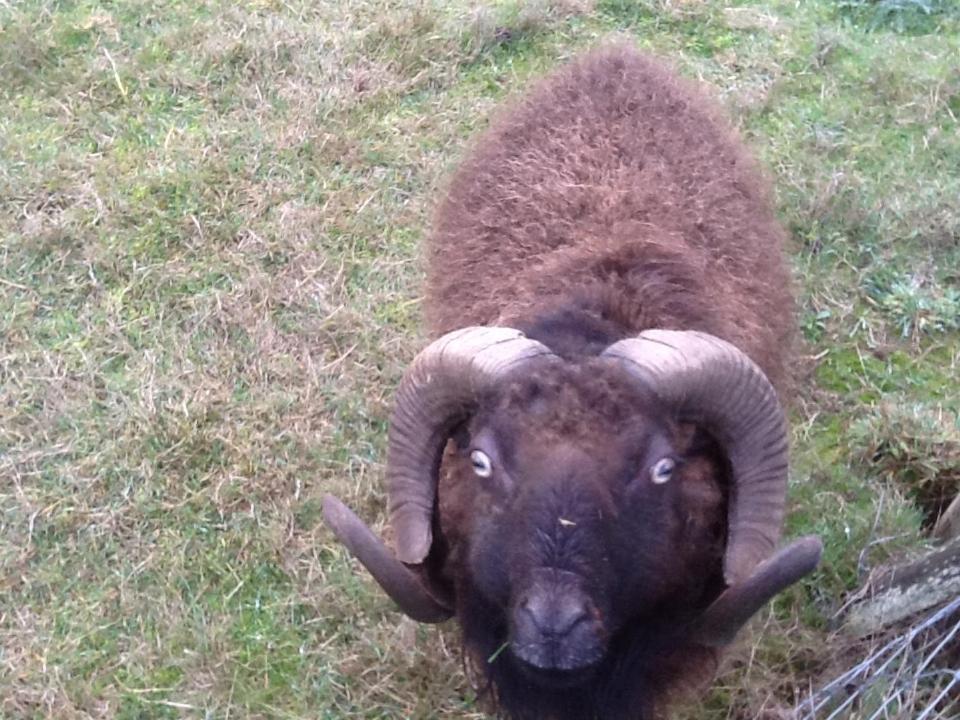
<point>941,696</point>
<point>116,75</point>
<point>948,526</point>
<point>906,590</point>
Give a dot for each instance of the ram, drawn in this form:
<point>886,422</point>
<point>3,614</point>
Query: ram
<point>588,467</point>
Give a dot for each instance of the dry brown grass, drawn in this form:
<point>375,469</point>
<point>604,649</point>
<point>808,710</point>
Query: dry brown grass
<point>209,220</point>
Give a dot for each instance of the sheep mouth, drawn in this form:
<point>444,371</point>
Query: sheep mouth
<point>552,665</point>
<point>558,677</point>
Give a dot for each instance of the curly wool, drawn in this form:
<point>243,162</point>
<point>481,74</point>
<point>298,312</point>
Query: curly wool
<point>618,188</point>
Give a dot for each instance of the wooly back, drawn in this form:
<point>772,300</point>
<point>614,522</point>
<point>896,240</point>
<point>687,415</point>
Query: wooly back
<point>612,198</point>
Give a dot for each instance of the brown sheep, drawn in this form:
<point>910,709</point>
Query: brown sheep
<point>607,283</point>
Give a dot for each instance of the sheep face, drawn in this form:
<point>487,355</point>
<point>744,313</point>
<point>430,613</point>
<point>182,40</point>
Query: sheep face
<point>589,509</point>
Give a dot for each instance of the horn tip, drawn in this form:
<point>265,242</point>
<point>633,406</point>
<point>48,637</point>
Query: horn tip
<point>720,623</point>
<point>806,552</point>
<point>335,513</point>
<point>803,554</point>
<point>413,544</point>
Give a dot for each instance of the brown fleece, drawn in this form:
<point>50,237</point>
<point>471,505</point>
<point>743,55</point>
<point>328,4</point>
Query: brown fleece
<point>616,184</point>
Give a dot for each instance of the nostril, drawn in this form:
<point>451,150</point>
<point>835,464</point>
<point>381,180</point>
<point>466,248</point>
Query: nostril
<point>554,626</point>
<point>569,614</point>
<point>554,616</point>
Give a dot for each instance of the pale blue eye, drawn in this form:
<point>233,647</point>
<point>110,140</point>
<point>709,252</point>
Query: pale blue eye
<point>481,464</point>
<point>662,471</point>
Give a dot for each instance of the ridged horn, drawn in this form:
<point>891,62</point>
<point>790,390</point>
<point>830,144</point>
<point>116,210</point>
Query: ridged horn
<point>715,384</point>
<point>719,623</point>
<point>439,390</point>
<point>401,583</point>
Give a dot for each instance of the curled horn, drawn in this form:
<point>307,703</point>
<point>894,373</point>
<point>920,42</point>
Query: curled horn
<point>713,383</point>
<point>405,587</point>
<point>439,390</point>
<point>719,623</point>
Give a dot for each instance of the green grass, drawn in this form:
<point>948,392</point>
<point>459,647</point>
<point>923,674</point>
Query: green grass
<point>209,278</point>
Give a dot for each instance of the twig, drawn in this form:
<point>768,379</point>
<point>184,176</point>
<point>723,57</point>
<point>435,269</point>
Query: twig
<point>116,75</point>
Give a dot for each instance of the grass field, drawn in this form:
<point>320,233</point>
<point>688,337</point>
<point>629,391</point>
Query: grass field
<point>209,278</point>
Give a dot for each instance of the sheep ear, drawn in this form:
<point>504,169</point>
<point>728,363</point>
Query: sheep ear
<point>720,623</point>
<point>401,583</point>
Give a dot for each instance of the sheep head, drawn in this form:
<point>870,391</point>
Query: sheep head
<point>586,494</point>
<point>586,506</point>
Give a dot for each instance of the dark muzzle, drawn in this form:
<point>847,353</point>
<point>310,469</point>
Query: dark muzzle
<point>554,624</point>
